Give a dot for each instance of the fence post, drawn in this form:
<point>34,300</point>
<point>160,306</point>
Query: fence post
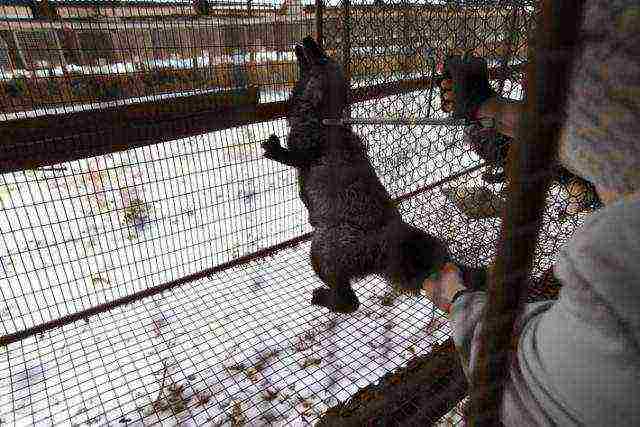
<point>508,46</point>
<point>63,61</point>
<point>406,43</point>
<point>20,55</point>
<point>557,30</point>
<point>319,23</point>
<point>346,50</point>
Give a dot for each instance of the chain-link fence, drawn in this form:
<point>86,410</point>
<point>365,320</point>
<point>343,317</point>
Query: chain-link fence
<point>154,266</point>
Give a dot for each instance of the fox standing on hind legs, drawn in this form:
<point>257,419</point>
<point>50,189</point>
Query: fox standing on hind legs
<point>358,230</point>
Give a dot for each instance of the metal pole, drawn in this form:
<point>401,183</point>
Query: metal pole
<point>508,44</point>
<point>63,61</point>
<point>395,122</point>
<point>346,51</point>
<point>406,61</point>
<point>21,55</point>
<point>319,22</point>
<point>558,28</point>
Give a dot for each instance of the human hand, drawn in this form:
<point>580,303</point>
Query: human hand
<point>441,289</point>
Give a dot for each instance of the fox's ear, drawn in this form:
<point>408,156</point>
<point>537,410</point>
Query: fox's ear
<point>303,61</point>
<point>313,52</point>
<point>313,91</point>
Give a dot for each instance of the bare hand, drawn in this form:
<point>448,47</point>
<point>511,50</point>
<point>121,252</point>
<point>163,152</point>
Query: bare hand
<point>441,290</point>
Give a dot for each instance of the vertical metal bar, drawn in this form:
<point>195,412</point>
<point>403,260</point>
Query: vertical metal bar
<point>548,77</point>
<point>319,22</point>
<point>508,52</point>
<point>405,39</point>
<point>78,46</point>
<point>63,62</point>
<point>346,49</point>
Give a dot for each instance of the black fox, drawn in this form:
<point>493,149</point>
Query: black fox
<point>358,229</point>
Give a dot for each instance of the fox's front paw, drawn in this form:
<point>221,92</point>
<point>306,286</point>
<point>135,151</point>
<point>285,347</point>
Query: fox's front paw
<point>271,146</point>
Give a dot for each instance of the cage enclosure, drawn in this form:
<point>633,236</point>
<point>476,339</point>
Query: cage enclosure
<point>154,266</point>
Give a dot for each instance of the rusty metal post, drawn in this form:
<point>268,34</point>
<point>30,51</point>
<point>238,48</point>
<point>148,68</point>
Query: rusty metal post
<point>20,53</point>
<point>346,49</point>
<point>319,22</point>
<point>529,179</point>
<point>406,43</point>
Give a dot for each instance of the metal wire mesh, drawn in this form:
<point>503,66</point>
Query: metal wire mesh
<point>242,345</point>
<point>246,338</point>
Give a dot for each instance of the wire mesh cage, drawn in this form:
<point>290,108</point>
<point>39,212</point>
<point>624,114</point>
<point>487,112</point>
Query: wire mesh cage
<point>154,266</point>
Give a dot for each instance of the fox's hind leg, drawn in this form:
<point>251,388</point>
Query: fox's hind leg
<point>339,299</point>
<point>338,295</point>
<point>338,256</point>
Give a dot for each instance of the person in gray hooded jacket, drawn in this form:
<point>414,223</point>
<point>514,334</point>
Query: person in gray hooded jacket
<point>578,357</point>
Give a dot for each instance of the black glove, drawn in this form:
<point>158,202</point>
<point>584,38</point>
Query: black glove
<point>470,84</point>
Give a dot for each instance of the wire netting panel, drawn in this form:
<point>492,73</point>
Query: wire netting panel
<point>93,55</point>
<point>243,345</point>
<point>87,232</point>
<point>81,233</point>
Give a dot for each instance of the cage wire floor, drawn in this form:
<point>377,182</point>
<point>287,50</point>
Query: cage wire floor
<point>220,350</point>
<point>243,346</point>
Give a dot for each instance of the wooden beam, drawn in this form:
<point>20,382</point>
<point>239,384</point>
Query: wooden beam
<point>420,393</point>
<point>35,142</point>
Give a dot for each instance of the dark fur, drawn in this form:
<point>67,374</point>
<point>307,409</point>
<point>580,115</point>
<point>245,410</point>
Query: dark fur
<point>358,228</point>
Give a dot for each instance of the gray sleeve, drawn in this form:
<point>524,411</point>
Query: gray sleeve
<point>578,358</point>
<point>601,270</point>
<point>465,316</point>
<point>581,357</point>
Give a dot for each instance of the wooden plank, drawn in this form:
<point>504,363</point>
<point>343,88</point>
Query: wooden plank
<point>417,394</point>
<point>35,142</point>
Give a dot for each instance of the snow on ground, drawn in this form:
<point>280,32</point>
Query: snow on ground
<point>155,63</point>
<point>245,344</point>
<point>266,94</point>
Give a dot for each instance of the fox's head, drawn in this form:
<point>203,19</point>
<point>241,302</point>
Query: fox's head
<point>321,89</point>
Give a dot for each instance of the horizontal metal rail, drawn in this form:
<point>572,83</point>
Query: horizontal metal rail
<point>155,290</point>
<point>72,10</point>
<point>396,122</point>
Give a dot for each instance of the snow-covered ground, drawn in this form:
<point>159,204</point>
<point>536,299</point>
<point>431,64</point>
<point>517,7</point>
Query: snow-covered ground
<point>244,345</point>
<point>266,95</point>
